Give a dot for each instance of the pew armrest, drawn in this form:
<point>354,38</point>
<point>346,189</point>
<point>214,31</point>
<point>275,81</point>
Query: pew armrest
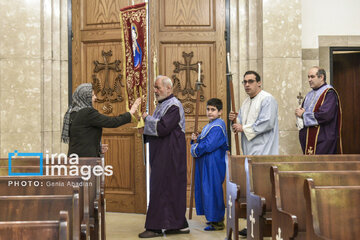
<point>257,203</point>
<point>97,217</point>
<point>85,230</point>
<point>256,208</point>
<point>286,222</point>
<point>232,193</point>
<point>102,212</point>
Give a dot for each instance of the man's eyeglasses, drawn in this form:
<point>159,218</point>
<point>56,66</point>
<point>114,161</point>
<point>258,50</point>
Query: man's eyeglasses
<point>250,81</point>
<point>311,76</point>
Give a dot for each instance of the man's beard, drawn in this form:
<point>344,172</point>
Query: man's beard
<point>160,97</point>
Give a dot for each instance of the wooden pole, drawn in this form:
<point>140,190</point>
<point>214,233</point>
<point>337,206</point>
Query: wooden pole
<point>234,109</point>
<point>231,86</point>
<point>192,186</point>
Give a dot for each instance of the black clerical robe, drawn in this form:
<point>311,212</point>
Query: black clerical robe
<point>165,132</point>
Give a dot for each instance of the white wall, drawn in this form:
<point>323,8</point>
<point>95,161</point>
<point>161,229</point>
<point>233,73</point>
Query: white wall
<point>329,17</point>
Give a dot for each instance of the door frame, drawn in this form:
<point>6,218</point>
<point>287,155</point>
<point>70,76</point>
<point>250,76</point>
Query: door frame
<point>70,36</point>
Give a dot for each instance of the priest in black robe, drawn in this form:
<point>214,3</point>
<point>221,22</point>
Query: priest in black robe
<point>165,132</point>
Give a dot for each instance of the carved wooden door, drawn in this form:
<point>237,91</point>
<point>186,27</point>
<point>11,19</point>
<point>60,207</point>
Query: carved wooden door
<point>96,52</point>
<point>183,33</point>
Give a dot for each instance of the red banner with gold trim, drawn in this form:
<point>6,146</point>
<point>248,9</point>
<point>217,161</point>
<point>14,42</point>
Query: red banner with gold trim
<point>134,32</point>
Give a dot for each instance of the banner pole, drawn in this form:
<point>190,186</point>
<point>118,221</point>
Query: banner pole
<point>147,149</point>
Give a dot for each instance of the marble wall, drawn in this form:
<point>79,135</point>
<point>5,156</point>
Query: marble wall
<point>266,37</point>
<point>33,75</point>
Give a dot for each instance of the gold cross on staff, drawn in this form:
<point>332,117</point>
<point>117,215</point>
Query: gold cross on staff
<point>300,98</point>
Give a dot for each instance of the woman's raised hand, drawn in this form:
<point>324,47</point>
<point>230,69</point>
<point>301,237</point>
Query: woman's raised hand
<point>135,105</point>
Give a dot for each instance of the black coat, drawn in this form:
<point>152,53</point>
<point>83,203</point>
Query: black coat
<point>86,130</point>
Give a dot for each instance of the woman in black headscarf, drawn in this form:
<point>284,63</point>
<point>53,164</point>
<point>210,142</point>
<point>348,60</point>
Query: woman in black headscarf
<point>82,128</point>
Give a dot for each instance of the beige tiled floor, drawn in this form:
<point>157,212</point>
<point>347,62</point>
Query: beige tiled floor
<point>128,226</point>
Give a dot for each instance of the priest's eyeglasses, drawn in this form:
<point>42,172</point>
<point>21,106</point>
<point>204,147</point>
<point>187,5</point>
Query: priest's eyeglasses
<point>250,81</point>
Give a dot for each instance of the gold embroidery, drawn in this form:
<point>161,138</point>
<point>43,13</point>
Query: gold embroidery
<point>310,151</point>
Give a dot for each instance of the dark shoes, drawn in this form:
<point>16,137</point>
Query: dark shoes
<point>177,231</point>
<point>150,234</point>
<point>215,226</point>
<point>243,232</point>
<point>158,233</point>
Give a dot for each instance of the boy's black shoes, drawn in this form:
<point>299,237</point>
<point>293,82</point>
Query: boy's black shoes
<point>243,232</point>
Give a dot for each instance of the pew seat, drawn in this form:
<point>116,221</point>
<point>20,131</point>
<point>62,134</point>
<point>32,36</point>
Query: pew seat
<point>259,200</point>
<point>42,207</point>
<point>30,230</point>
<point>288,201</point>
<point>332,211</point>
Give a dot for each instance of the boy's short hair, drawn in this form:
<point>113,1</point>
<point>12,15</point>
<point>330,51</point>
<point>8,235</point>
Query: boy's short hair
<point>216,103</point>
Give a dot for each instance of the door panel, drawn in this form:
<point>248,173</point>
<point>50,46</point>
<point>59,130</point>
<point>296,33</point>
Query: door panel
<point>346,80</point>
<point>177,27</point>
<point>96,49</point>
<point>186,32</point>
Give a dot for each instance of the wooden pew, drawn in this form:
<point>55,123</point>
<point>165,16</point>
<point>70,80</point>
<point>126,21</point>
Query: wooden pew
<point>20,162</point>
<point>96,190</point>
<point>50,185</point>
<point>4,170</point>
<point>332,212</point>
<point>30,230</point>
<point>258,184</point>
<point>288,202</point>
<point>96,197</point>
<point>39,208</point>
<point>236,169</point>
<point>232,193</point>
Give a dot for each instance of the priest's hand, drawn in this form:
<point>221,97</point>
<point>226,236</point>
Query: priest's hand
<point>141,130</point>
<point>237,127</point>
<point>299,112</point>
<point>194,136</point>
<point>144,115</point>
<point>232,116</point>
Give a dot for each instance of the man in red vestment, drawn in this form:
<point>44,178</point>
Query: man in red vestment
<point>320,115</point>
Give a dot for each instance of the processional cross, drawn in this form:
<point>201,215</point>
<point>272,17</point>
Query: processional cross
<point>300,98</point>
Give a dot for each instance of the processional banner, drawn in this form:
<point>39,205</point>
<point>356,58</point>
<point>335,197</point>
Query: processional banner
<point>134,31</point>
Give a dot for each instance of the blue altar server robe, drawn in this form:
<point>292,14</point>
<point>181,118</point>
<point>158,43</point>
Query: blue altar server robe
<point>209,152</point>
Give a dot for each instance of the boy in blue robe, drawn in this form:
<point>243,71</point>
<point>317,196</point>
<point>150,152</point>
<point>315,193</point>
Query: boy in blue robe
<point>209,153</point>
